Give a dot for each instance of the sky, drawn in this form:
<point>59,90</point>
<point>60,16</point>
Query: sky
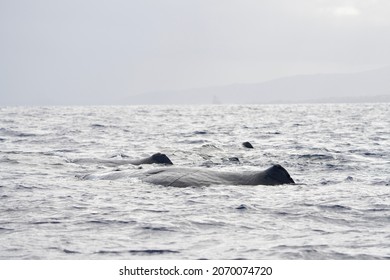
<point>86,52</point>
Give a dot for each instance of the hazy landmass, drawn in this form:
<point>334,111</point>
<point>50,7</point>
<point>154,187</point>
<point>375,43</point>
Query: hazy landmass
<point>367,86</point>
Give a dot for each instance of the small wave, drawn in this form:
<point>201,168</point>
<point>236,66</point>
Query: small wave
<point>6,229</point>
<point>66,251</point>
<point>379,208</point>
<point>231,160</point>
<point>65,151</point>
<point>334,207</point>
<point>14,133</point>
<point>45,222</point>
<point>327,207</point>
<point>329,182</point>
<point>209,224</point>
<point>138,252</point>
<point>321,231</point>
<point>209,163</point>
<point>201,132</point>
<point>8,160</point>
<point>282,213</point>
<point>306,252</point>
<point>157,228</point>
<point>343,256</point>
<point>188,141</point>
<point>153,252</point>
<point>106,222</point>
<point>366,153</point>
<point>316,157</point>
<point>20,186</point>
<point>210,146</point>
<point>369,154</point>
<point>79,207</point>
<point>381,183</point>
<point>151,210</point>
<point>97,125</point>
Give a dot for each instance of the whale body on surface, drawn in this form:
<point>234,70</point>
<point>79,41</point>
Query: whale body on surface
<point>185,177</point>
<point>157,158</point>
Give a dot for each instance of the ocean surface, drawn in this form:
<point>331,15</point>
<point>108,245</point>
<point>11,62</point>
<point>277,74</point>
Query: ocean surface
<point>338,155</point>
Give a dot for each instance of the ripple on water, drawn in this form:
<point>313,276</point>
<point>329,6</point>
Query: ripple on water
<point>145,252</point>
<point>335,207</point>
<point>3,229</point>
<point>111,222</point>
<point>66,251</point>
<point>157,228</point>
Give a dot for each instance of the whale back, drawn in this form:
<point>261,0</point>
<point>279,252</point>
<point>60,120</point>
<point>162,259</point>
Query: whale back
<point>157,158</point>
<point>161,159</point>
<point>184,177</point>
<point>275,175</point>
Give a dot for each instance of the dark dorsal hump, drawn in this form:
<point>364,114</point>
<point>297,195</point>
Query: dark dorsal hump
<point>161,158</point>
<point>279,173</point>
<point>247,145</point>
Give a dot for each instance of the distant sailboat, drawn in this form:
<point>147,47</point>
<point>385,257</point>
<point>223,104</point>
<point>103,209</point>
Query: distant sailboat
<point>216,100</point>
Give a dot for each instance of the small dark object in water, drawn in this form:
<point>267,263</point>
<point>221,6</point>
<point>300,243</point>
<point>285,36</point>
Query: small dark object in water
<point>247,145</point>
<point>234,159</point>
<point>200,132</point>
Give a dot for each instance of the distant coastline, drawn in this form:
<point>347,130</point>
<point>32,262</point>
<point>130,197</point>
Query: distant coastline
<point>363,87</point>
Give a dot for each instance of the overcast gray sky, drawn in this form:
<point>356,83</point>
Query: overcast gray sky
<point>97,51</point>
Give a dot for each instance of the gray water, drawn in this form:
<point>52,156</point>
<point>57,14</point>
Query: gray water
<point>339,156</point>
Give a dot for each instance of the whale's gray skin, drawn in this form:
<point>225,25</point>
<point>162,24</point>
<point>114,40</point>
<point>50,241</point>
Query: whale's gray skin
<point>157,158</point>
<point>185,177</point>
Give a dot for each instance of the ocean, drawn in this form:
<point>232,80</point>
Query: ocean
<point>337,154</point>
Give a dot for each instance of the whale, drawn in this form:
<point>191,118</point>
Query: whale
<point>247,145</point>
<point>186,177</point>
<point>172,176</point>
<point>157,158</point>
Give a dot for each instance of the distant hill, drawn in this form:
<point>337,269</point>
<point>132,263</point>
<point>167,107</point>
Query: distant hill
<point>367,86</point>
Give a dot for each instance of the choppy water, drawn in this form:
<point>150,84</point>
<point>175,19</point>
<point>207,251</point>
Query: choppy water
<point>339,156</point>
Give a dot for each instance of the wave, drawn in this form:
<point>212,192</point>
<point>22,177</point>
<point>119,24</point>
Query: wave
<point>137,252</point>
<point>66,251</point>
<point>157,228</point>
<point>336,207</point>
<point>14,133</point>
<point>8,160</point>
<point>109,222</point>
<point>321,157</point>
<point>6,229</point>
<point>45,222</point>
